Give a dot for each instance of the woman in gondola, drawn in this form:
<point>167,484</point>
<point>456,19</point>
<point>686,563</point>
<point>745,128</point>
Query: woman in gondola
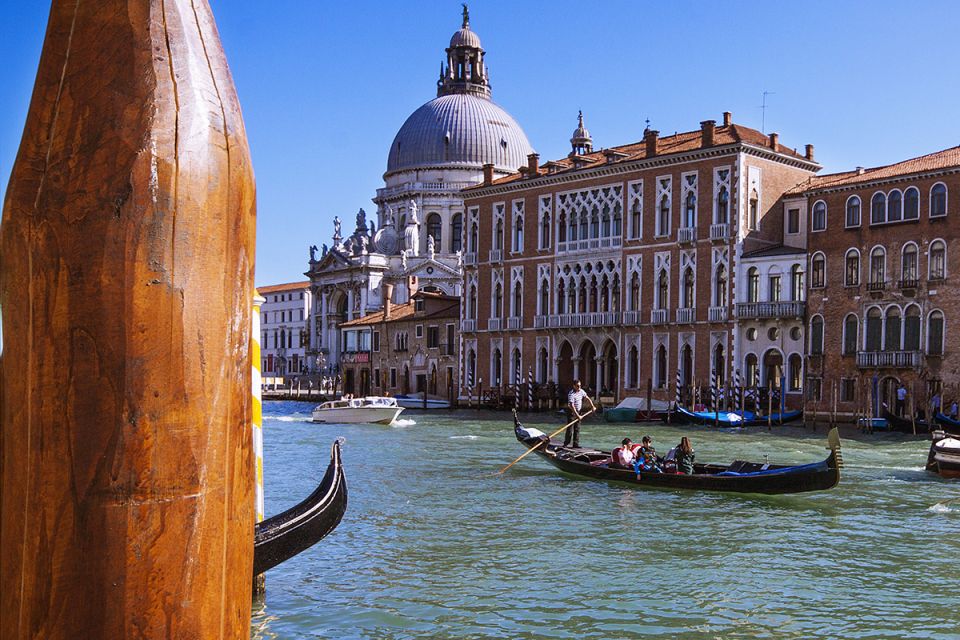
<point>684,456</point>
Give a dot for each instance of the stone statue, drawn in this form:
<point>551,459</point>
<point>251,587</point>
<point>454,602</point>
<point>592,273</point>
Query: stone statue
<point>325,251</point>
<point>459,255</point>
<point>313,253</point>
<point>388,216</point>
<point>413,213</point>
<point>403,260</point>
<point>364,244</point>
<point>336,229</point>
<point>430,247</point>
<point>411,235</point>
<point>361,221</point>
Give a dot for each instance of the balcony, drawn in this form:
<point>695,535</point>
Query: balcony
<point>586,319</point>
<point>541,322</point>
<point>762,310</point>
<point>470,259</point>
<point>494,324</point>
<point>686,235</point>
<point>686,315</point>
<point>468,325</point>
<point>658,316</point>
<point>889,359</point>
<point>589,244</point>
<point>717,314</point>
<point>514,323</point>
<point>632,317</point>
<point>879,285</point>
<point>496,255</point>
<point>719,232</point>
<point>911,283</point>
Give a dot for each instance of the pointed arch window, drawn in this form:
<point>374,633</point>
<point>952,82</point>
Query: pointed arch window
<point>497,301</point>
<point>635,220</point>
<point>542,365</point>
<point>661,367</point>
<point>634,292</point>
<point>753,210</point>
<point>517,300</point>
<point>474,237</point>
<point>617,222</point>
<point>720,287</point>
<point>544,297</point>
<point>723,206</point>
<point>662,289</point>
<point>633,368</point>
<point>545,231</point>
<point>663,217</point>
<point>690,210</point>
<point>497,373</point>
<point>498,235</point>
<point>688,289</point>
<point>518,234</point>
<point>561,297</point>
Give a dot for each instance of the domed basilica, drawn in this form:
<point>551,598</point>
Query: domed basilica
<point>415,243</point>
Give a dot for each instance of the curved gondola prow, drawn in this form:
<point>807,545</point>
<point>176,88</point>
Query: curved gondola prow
<point>833,443</point>
<point>286,534</point>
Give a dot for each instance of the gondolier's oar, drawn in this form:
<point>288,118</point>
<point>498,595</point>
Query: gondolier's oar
<point>532,449</point>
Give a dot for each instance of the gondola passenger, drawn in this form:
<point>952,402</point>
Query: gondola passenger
<point>623,455</point>
<point>684,456</point>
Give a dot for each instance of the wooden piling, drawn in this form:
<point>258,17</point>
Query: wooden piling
<point>126,275</point>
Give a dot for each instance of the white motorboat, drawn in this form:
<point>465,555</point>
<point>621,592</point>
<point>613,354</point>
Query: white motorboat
<point>371,409</point>
<point>415,401</point>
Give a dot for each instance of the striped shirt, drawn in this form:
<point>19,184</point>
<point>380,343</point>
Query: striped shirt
<point>576,398</point>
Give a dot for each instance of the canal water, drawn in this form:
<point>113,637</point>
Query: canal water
<point>434,545</point>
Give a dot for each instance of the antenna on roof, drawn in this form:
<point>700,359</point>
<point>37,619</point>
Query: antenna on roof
<point>647,128</point>
<point>763,110</point>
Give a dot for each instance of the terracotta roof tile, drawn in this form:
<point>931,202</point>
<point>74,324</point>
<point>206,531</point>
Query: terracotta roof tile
<point>276,288</point>
<point>946,159</point>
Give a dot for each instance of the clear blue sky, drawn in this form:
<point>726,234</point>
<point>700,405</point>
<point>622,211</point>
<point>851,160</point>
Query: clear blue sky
<point>325,85</point>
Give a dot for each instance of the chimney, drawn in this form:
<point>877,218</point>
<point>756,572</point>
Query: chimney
<point>650,138</point>
<point>533,165</point>
<point>707,127</point>
<point>860,171</point>
<point>727,118</point>
<point>387,300</point>
<point>775,141</point>
<point>488,174</point>
<point>810,152</point>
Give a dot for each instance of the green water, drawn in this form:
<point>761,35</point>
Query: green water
<point>434,545</point>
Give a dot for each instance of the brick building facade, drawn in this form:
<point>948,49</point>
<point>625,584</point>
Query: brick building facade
<point>618,266</point>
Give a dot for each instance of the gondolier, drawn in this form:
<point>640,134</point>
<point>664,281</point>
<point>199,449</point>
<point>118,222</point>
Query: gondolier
<point>574,406</point>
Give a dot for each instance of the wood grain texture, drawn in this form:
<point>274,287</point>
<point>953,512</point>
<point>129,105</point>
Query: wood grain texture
<point>126,281</point>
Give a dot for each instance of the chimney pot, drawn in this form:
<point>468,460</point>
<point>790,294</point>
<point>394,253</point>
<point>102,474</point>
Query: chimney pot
<point>707,127</point>
<point>860,171</point>
<point>533,165</point>
<point>650,138</point>
<point>727,118</point>
<point>774,141</point>
<point>488,174</point>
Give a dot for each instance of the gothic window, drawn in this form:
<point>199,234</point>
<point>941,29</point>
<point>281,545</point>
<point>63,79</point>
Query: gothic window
<point>662,290</point>
<point>518,234</point>
<point>572,235</point>
<point>723,205</point>
<point>634,292</point>
<point>471,370</point>
<point>633,368</point>
<point>853,212</point>
<point>583,295</point>
<point>594,296</point>
<point>562,228</point>
<point>615,294</point>
<point>635,220</point>
<point>456,233</point>
<point>894,206</point>
<point>544,297</point>
<point>572,298</point>
<point>878,208</point>
<point>617,222</point>
<point>851,326</point>
<point>661,367</point>
<point>517,300</point>
<point>938,260</point>
<point>753,285</point>
<point>690,210</point>
<point>891,340</point>
<point>595,223</point>
<point>497,367</point>
<point>816,336</point>
<point>819,222</point>
<point>911,204</point>
<point>688,285</point>
<point>753,215</point>
<point>497,301</point>
<point>604,295</point>
<point>472,303</point>
<point>545,231</point>
<point>542,366</point>
<point>663,217</point>
<point>584,231</point>
<point>935,334</point>
<point>874,336</point>
<point>878,263</point>
<point>498,236</point>
<point>474,237</point>
<point>911,328</point>
<point>720,287</point>
<point>908,264</point>
<point>851,275</point>
<point>938,200</point>
<point>605,223</point>
<point>561,297</point>
<point>434,229</point>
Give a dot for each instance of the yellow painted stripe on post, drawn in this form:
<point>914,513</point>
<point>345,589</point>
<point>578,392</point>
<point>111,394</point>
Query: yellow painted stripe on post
<point>256,378</point>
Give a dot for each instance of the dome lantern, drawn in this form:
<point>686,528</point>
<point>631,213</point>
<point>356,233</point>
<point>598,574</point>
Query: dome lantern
<point>465,71</point>
<point>581,141</point>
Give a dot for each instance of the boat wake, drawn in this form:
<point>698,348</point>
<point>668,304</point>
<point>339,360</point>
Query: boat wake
<point>294,418</point>
<point>403,422</point>
<point>943,507</point>
<point>464,437</point>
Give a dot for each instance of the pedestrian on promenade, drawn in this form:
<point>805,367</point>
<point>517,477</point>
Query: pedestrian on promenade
<point>574,406</point>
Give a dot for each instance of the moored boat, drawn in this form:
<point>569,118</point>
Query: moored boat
<point>370,409</point>
<point>730,418</point>
<point>415,401</point>
<point>944,456</point>
<point>738,476</point>
<point>286,534</point>
<point>634,410</point>
<point>904,425</point>
<point>947,424</point>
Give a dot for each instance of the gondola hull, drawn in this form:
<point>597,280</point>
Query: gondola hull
<point>756,478</point>
<point>944,456</point>
<point>286,534</point>
<point>730,419</point>
<point>905,425</point>
<point>947,425</point>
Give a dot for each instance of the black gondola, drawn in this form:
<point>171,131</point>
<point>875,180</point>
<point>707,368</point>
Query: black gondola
<point>944,456</point>
<point>947,424</point>
<point>286,534</point>
<point>904,425</point>
<point>738,476</point>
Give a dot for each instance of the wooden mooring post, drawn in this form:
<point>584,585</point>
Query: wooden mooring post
<point>126,276</point>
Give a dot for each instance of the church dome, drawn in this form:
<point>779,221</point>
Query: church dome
<point>459,129</point>
<point>465,38</point>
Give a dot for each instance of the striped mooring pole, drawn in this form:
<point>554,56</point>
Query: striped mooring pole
<point>529,388</point>
<point>259,583</point>
<point>677,397</point>
<point>517,375</point>
<point>713,389</point>
<point>736,390</point>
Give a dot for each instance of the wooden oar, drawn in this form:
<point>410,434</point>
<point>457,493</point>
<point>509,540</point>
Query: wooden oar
<point>532,449</point>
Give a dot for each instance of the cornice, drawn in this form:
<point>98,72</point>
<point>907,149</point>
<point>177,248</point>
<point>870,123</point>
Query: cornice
<point>856,186</point>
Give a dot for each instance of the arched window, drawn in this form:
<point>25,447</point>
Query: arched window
<point>562,228</point>
<point>605,294</point>
<point>635,220</point>
<point>572,235</point>
<point>719,365</point>
<point>605,222</point>
<point>595,223</point>
<point>662,289</point>
<point>938,260</point>
<point>544,297</point>
<point>795,364</point>
<point>753,285</point>
<point>516,375</point>
<point>497,373</point>
<point>561,297</point>
<point>517,300</point>
<point>498,236</point>
<point>497,301</point>
<point>542,365</point>
<point>935,333</point>
<point>456,233</point>
<point>661,367</point>
<point>816,336</point>
<point>690,210</point>
<point>474,237</point>
<point>909,271</point>
<point>583,225</point>
<point>891,339</point>
<point>572,297</point>
<point>752,370</point>
<point>472,303</point>
<point>615,293</point>
<point>753,212</point>
<point>720,287</point>
<point>938,200</point>
<point>663,217</point>
<point>874,330</point>
<point>635,292</point>
<point>545,231</point>
<point>775,286</point>
<point>633,367</point>
<point>878,208</point>
<point>878,268</point>
<point>911,329</point>
<point>818,271</point>
<point>797,289</point>
<point>688,287</point>
<point>894,206</point>
<point>911,204</point>
<point>819,222</point>
<point>583,295</point>
<point>434,229</point>
<point>723,205</point>
<point>617,222</point>
<point>518,234</point>
<point>851,274</point>
<point>851,326</point>
<point>853,212</point>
